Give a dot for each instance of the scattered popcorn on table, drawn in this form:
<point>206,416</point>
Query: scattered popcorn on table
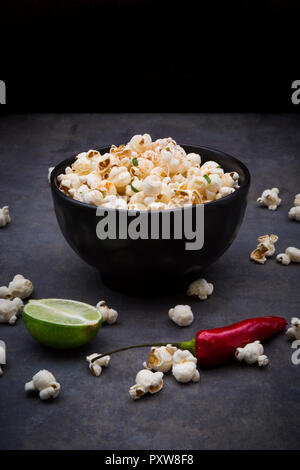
<point>50,169</point>
<point>146,381</point>
<point>9,310</point>
<point>182,315</point>
<point>109,315</point>
<point>45,383</point>
<point>294,331</point>
<point>201,288</point>
<point>161,358</point>
<point>270,198</point>
<point>185,367</point>
<point>18,287</point>
<point>251,353</point>
<point>268,242</point>
<point>2,355</point>
<point>4,216</point>
<point>291,254</point>
<point>96,366</point>
<point>264,249</point>
<point>145,175</point>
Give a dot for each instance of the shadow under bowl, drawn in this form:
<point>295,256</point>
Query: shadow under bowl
<point>153,266</point>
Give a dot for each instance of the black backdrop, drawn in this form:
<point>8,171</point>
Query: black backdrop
<point>151,55</point>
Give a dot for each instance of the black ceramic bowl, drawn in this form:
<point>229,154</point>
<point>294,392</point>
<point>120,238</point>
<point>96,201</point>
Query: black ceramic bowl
<point>146,265</point>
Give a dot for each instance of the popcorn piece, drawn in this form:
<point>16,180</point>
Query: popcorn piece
<point>105,162</point>
<point>224,191</point>
<point>297,200</point>
<point>96,366</point>
<point>138,198</point>
<point>294,213</point>
<point>201,288</point>
<point>263,360</point>
<point>270,199</point>
<point>209,167</point>
<point>258,255</point>
<point>215,183</point>
<point>141,143</point>
<point>172,161</point>
<point>143,169</point>
<point>268,242</point>
<point>182,315</point>
<point>146,381</point>
<point>291,254</point>
<point>120,176</point>
<point>251,353</point>
<point>198,182</point>
<point>180,197</point>
<point>137,391</point>
<point>151,185</point>
<point>69,181</point>
<point>92,197</point>
<point>194,159</point>
<point>92,180</point>
<point>2,355</point>
<point>161,358</point>
<point>92,154</point>
<point>137,207</point>
<point>81,155</point>
<point>45,383</point>
<point>114,202</point>
<point>4,216</point>
<point>185,367</point>
<point>18,287</point>
<point>156,206</point>
<point>264,249</point>
<point>4,293</point>
<point>230,179</point>
<point>82,165</point>
<point>109,315</point>
<point>9,310</point>
<point>78,194</point>
<point>294,331</point>
<point>136,184</point>
<point>50,169</point>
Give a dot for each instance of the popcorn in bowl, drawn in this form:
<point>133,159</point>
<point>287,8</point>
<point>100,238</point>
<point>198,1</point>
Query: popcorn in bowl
<point>145,175</point>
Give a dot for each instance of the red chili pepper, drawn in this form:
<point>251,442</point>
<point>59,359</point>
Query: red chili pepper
<point>218,345</point>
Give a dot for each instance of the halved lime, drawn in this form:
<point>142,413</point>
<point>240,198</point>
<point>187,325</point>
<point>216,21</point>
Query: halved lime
<point>61,323</point>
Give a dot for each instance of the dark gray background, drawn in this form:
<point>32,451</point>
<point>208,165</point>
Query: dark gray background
<point>233,407</point>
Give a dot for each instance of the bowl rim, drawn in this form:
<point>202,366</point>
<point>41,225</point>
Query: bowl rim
<point>235,194</point>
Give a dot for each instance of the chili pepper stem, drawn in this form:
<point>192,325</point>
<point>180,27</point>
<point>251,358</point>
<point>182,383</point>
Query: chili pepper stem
<point>190,345</point>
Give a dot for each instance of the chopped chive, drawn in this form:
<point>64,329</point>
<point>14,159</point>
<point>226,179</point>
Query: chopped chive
<point>207,178</point>
<point>219,166</point>
<point>134,189</point>
<point>135,161</point>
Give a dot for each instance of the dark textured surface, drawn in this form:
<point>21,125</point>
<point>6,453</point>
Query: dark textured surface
<point>233,407</point>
